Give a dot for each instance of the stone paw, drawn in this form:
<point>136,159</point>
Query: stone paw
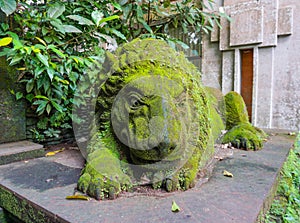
<point>102,177</point>
<point>183,179</point>
<point>245,136</point>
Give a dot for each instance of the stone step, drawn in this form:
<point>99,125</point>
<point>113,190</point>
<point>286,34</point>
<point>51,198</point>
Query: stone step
<point>36,191</point>
<point>21,150</point>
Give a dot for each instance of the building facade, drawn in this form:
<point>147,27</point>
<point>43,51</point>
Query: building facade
<point>257,54</point>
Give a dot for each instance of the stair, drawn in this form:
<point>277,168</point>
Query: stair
<point>17,151</point>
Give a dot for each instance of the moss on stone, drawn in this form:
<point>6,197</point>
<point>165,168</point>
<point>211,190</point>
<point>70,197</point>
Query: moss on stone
<point>159,113</point>
<point>241,133</point>
<point>22,209</point>
<point>102,175</point>
<point>168,121</point>
<point>245,136</point>
<point>236,111</point>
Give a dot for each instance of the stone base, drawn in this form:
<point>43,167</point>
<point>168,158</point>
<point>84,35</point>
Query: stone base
<point>17,151</point>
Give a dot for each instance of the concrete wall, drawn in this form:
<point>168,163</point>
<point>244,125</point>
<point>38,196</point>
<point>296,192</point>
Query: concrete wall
<point>270,28</point>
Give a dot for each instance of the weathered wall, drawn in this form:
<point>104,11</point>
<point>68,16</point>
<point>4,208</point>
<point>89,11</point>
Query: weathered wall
<point>286,83</point>
<point>269,28</point>
<point>12,112</point>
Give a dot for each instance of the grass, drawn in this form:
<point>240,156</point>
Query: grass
<point>286,205</point>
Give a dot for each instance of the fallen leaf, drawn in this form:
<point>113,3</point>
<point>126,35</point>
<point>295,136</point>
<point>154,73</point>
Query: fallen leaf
<point>78,197</point>
<point>227,174</point>
<point>175,207</point>
<point>53,153</point>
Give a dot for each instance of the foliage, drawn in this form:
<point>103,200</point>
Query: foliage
<point>54,45</point>
<point>52,48</point>
<point>286,206</point>
<point>8,6</point>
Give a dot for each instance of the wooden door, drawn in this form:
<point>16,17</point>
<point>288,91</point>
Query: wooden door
<point>247,78</point>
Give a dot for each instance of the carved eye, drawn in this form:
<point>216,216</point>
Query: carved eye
<point>136,103</point>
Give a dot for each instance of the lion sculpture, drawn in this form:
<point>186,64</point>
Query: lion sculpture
<point>157,123</point>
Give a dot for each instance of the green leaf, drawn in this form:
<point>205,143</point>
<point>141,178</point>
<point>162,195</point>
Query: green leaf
<point>57,106</point>
<point>55,11</point>
<point>48,109</point>
<point>42,97</point>
<point>41,106</point>
<point>42,41</point>
<point>30,97</point>
<point>117,6</point>
<point>146,26</point>
<point>16,59</point>
<point>175,207</point>
<point>70,29</point>
<point>50,72</point>
<point>4,26</point>
<point>182,44</point>
<point>109,19</point>
<point>139,12</point>
<point>58,52</point>
<point>17,43</point>
<point>38,70</point>
<point>29,85</point>
<point>8,6</point>
<point>19,95</point>
<point>58,25</point>
<point>81,20</point>
<point>97,16</point>
<point>5,41</point>
<point>118,33</point>
<point>5,52</point>
<point>123,2</point>
<point>43,59</point>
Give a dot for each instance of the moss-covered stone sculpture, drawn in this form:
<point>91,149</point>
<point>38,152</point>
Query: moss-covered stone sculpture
<point>241,134</point>
<point>157,123</point>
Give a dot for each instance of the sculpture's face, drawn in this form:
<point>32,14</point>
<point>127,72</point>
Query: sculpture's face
<point>146,117</point>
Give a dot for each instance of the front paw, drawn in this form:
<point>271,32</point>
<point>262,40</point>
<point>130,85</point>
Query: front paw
<point>245,136</point>
<point>102,176</point>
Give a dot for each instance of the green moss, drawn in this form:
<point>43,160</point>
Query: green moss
<point>102,175</point>
<point>22,209</point>
<point>170,116</point>
<point>236,111</point>
<point>245,136</point>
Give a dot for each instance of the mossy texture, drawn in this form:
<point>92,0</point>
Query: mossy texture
<point>236,111</point>
<point>157,117</point>
<point>216,111</point>
<point>21,208</point>
<point>245,136</point>
<point>159,113</point>
<point>241,133</point>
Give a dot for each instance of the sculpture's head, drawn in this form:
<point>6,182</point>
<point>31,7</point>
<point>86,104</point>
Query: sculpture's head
<point>149,115</point>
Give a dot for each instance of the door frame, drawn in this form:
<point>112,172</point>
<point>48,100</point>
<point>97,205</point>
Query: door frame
<point>238,77</point>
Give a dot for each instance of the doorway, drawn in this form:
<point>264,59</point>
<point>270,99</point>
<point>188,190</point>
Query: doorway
<point>247,79</point>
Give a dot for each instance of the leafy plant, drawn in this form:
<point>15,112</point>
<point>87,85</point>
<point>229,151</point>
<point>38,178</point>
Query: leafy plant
<point>52,48</point>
